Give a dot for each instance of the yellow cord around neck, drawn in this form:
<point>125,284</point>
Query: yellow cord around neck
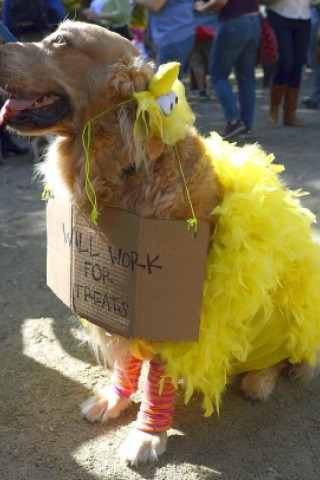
<point>86,142</point>
<point>89,188</point>
<point>192,222</point>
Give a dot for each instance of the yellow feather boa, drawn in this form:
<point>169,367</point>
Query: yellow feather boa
<point>261,299</point>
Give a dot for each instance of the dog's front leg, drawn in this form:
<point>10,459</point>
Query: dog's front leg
<point>148,440</point>
<point>110,402</point>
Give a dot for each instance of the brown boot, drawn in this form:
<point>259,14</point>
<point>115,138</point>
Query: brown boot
<point>276,95</point>
<point>290,107</point>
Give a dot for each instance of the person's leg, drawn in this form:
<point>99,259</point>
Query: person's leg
<point>313,35</point>
<point>314,100</point>
<point>245,71</point>
<point>198,63</point>
<point>224,53</point>
<point>230,39</point>
<point>315,97</point>
<point>300,40</point>
<point>277,94</point>
<point>282,29</point>
<point>178,51</point>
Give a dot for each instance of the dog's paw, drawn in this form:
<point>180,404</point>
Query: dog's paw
<point>259,384</point>
<point>305,372</point>
<point>104,405</point>
<point>142,447</point>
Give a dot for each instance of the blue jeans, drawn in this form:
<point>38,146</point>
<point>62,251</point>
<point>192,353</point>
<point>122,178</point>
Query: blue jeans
<point>178,52</point>
<point>236,47</point>
<point>293,40</point>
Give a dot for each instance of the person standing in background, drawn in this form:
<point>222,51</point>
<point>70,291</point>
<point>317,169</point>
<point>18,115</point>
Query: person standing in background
<point>57,12</point>
<point>313,102</point>
<point>290,20</point>
<point>113,14</point>
<point>95,5</point>
<point>200,54</point>
<point>235,47</point>
<point>41,16</point>
<point>172,27</point>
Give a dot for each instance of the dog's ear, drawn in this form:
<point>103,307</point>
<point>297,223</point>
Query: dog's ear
<point>127,77</point>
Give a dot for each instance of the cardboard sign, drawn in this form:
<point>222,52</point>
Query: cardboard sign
<point>137,277</point>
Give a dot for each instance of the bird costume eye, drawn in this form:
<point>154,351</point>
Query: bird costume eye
<point>169,113</point>
<point>167,102</point>
<point>174,98</point>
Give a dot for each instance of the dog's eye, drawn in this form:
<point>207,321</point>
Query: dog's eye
<point>60,40</point>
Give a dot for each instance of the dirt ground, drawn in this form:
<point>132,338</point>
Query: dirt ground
<point>47,370</point>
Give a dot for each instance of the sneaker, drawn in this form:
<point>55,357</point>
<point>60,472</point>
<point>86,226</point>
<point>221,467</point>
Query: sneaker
<point>203,96</point>
<point>247,134</point>
<point>310,104</point>
<point>233,129</point>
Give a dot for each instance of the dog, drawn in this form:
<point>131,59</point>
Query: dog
<point>55,87</point>
<point>38,146</point>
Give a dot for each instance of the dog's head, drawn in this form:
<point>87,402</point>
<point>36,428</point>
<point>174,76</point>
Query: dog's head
<point>71,76</point>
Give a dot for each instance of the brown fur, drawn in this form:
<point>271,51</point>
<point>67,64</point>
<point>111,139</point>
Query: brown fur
<point>94,70</point>
<point>98,69</point>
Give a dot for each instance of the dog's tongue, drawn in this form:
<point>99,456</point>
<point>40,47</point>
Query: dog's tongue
<point>14,105</point>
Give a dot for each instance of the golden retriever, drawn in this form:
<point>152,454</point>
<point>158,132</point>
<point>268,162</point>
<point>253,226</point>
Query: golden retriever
<point>55,87</point>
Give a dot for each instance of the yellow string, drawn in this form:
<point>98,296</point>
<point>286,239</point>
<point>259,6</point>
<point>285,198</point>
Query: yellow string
<point>86,142</point>
<point>46,193</point>
<point>192,223</point>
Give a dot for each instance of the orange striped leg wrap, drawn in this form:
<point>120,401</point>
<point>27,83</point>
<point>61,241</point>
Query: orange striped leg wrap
<point>125,380</point>
<point>157,407</point>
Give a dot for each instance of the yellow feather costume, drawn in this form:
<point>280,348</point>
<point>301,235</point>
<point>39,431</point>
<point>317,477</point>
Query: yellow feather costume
<point>261,301</point>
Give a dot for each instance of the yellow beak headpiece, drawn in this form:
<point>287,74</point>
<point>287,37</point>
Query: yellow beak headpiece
<point>163,108</point>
